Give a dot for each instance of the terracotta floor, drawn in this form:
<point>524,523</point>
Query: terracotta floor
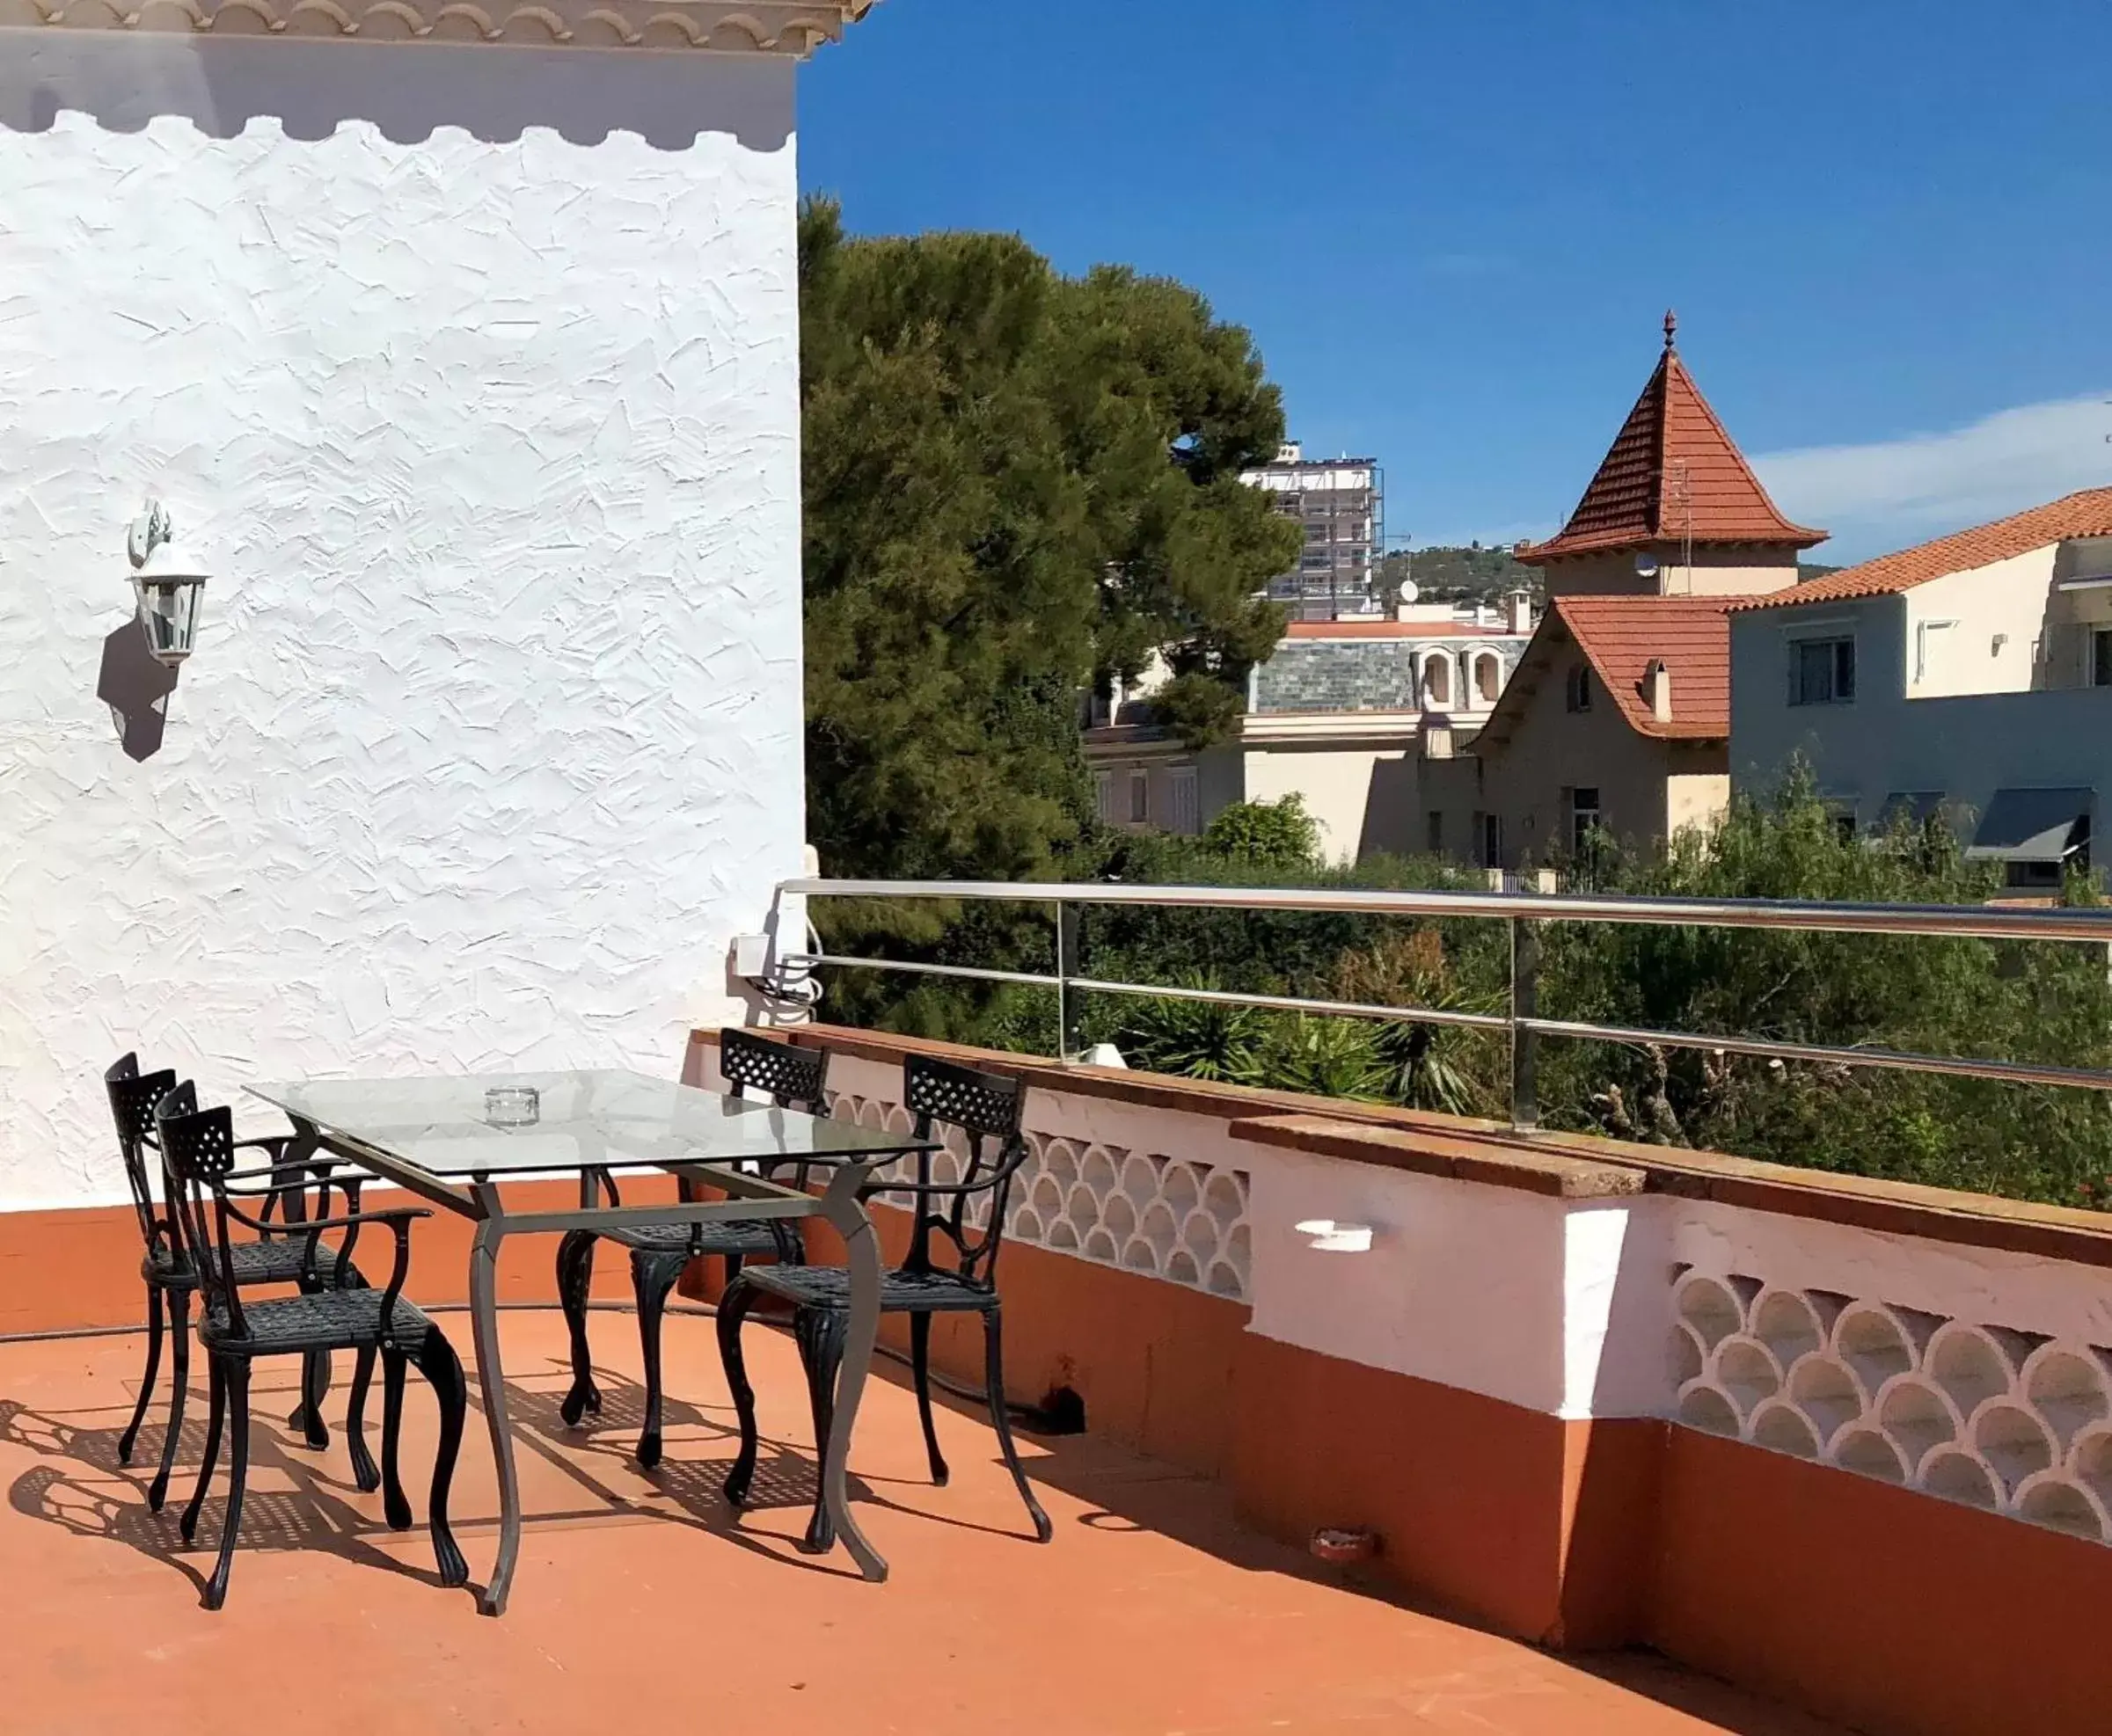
<point>644,1603</point>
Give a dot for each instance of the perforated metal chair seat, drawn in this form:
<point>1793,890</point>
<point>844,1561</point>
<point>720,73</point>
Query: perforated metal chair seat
<point>325,1320</point>
<point>828,1287</point>
<point>278,1261</point>
<point>716,1238</point>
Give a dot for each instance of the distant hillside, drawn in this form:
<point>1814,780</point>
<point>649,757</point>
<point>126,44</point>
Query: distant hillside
<point>1472,575</point>
<point>1476,574</point>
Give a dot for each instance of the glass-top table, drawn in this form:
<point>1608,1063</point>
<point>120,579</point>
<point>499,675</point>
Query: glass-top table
<point>458,1129</point>
<point>453,1140</point>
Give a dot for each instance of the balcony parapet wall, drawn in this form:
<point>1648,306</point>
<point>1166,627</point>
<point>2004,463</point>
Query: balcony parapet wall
<point>1943,1342</point>
<point>1846,1440</point>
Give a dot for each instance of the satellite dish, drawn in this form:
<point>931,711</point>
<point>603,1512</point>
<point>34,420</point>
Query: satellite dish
<point>1646,565</point>
<point>1408,592</point>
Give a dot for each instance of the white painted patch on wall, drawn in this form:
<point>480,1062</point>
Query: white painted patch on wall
<point>473,374</point>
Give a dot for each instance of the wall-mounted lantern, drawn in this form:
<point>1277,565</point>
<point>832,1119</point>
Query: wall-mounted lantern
<point>170,584</point>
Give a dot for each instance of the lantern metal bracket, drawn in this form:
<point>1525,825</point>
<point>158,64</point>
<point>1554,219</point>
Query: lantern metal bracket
<point>150,530</point>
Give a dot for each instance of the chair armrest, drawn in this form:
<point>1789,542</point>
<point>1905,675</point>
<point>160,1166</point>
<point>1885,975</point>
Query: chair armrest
<point>275,1143</point>
<point>349,1221</point>
<point>281,1171</point>
<point>399,1218</point>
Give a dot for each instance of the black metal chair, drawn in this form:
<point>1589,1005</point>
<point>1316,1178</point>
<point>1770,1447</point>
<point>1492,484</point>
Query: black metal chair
<point>280,1257</point>
<point>790,1077</point>
<point>983,1107</point>
<point>198,1147</point>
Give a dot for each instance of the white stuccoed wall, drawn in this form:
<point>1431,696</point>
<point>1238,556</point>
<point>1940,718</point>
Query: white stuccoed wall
<point>472,372</point>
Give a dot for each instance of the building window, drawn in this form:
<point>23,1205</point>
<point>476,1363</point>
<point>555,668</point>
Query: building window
<point>1584,820</point>
<point>1103,797</point>
<point>1822,672</point>
<point>1492,842</point>
<point>1488,678</point>
<point>1181,790</point>
<point>1576,690</point>
<point>2101,658</point>
<point>1437,680</point>
<point>1140,796</point>
<point>1436,824</point>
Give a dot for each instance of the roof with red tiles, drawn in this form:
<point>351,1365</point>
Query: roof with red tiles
<point>1671,472</point>
<point>1620,636</point>
<point>2087,512</point>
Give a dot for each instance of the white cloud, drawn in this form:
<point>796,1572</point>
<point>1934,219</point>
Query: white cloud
<point>1893,493</point>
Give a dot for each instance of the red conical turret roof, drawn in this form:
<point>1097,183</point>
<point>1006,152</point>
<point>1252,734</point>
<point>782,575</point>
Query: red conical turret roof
<point>1672,474</point>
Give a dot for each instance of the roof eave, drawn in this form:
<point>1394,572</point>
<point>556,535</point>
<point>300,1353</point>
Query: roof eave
<point>1796,536</point>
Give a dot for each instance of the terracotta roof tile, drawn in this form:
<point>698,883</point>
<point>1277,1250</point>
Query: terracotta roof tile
<point>1620,636</point>
<point>1672,470</point>
<point>2085,513</point>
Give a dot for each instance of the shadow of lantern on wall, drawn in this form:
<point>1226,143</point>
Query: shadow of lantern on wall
<point>136,688</point>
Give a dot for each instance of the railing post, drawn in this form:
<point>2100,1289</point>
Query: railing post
<point>1524,1043</point>
<point>1066,963</point>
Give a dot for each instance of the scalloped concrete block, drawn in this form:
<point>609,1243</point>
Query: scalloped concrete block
<point>1745,1374</point>
<point>1163,1217</point>
<point>1703,1407</point>
<point>1997,1418</point>
<point>1866,1452</point>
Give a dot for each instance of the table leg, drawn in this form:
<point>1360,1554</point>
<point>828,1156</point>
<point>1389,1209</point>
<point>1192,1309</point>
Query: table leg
<point>315,1365</point>
<point>491,1378</point>
<point>847,1213</point>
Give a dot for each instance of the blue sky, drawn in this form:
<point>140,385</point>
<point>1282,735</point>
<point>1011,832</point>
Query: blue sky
<point>1454,228</point>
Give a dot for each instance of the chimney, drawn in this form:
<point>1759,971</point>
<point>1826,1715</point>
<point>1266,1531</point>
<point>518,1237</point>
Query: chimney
<point>1657,689</point>
<point>1518,617</point>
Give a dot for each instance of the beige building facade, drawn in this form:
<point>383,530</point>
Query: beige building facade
<point>1616,724</point>
<point>1617,721</point>
<point>1335,718</point>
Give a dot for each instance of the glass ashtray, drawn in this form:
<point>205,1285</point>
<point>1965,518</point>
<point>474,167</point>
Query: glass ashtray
<point>513,1106</point>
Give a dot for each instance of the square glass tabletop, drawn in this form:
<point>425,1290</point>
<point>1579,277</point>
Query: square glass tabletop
<point>520,1123</point>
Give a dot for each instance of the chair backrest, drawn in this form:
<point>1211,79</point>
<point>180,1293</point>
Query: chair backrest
<point>986,1108</point>
<point>133,1098</point>
<point>198,1146</point>
<point>792,1077</point>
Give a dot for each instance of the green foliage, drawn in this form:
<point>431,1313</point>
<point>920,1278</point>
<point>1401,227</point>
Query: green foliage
<point>1324,1057</point>
<point>1472,575</point>
<point>1265,835</point>
<point>1431,1065</point>
<point>1015,483</point>
<point>2049,1003</point>
<point>1198,1039</point>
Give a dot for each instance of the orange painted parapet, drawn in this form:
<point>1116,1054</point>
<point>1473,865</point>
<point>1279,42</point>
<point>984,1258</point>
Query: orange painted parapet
<point>1872,1604</point>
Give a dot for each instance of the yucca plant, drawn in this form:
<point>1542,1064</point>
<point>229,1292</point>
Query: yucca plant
<point>1436,1067</point>
<point>1198,1039</point>
<point>1324,1057</point>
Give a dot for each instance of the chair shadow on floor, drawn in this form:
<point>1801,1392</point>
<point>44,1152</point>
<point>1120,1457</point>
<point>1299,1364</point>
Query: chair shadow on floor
<point>684,1490</point>
<point>88,1493</point>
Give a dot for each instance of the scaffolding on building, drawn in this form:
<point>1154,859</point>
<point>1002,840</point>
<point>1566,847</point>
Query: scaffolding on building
<point>1339,505</point>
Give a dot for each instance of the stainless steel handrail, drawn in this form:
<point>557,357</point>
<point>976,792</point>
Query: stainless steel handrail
<point>1525,913</point>
<point>1972,922</point>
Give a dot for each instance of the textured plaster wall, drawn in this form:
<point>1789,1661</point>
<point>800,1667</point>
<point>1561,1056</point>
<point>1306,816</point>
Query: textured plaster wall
<point>472,372</point>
